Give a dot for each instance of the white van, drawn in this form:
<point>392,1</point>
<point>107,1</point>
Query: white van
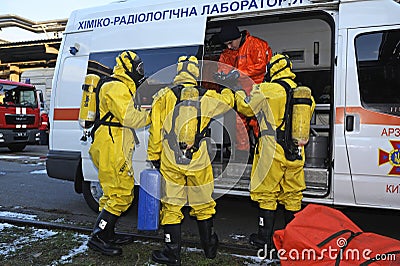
<point>347,52</point>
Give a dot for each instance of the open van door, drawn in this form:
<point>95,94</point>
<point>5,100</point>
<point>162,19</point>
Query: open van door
<point>372,114</point>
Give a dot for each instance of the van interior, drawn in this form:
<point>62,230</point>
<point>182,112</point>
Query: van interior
<point>308,40</point>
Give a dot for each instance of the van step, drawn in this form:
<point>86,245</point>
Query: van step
<point>236,176</point>
<point>315,192</point>
<point>317,176</point>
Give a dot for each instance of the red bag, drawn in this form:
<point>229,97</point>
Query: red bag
<point>320,235</point>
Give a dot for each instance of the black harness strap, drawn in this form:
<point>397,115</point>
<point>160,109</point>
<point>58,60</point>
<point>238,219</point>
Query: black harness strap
<point>180,156</point>
<point>266,132</point>
<point>335,235</point>
<point>109,115</point>
<point>281,136</point>
<point>289,92</point>
<point>302,101</point>
<point>284,137</point>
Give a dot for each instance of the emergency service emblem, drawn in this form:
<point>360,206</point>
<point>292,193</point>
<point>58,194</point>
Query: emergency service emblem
<point>392,157</point>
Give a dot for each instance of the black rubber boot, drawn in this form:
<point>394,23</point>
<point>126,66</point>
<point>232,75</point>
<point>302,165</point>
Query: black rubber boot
<point>288,216</point>
<point>208,238</point>
<point>171,254</point>
<point>266,220</point>
<point>100,239</point>
<point>120,239</point>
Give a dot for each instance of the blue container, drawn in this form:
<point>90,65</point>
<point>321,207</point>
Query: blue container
<point>149,200</point>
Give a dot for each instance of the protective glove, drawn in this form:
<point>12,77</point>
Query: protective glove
<point>232,76</point>
<point>229,80</point>
<point>156,164</point>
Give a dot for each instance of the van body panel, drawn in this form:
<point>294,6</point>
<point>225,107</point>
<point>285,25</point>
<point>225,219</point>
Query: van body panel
<point>369,13</point>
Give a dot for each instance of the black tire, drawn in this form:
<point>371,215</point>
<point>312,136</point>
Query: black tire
<point>16,147</point>
<point>43,138</point>
<point>92,193</point>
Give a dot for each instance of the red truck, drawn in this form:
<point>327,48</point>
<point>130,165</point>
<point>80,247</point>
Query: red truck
<point>19,115</point>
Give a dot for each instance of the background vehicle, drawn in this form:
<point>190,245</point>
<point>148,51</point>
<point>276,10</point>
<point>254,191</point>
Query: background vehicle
<point>19,115</point>
<point>350,61</point>
<point>42,79</point>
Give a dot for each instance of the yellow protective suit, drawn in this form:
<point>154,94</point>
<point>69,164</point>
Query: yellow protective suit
<point>193,183</point>
<point>112,149</point>
<point>274,179</point>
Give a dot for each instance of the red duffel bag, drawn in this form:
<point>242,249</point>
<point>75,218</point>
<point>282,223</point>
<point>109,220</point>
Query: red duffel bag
<point>321,235</point>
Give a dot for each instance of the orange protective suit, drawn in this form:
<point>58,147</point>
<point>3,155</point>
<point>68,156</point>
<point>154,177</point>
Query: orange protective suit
<point>251,60</point>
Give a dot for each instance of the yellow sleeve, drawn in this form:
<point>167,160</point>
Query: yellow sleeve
<point>120,104</point>
<point>155,131</point>
<point>251,106</point>
<point>214,103</point>
<point>137,118</point>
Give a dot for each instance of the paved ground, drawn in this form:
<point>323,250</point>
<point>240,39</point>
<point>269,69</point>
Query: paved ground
<point>235,219</point>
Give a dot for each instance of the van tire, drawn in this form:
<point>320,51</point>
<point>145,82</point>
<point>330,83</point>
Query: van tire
<point>92,192</point>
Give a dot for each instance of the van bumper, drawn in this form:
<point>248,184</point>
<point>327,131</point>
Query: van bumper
<point>63,165</point>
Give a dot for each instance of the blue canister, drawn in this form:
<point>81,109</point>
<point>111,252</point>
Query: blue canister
<point>149,200</point>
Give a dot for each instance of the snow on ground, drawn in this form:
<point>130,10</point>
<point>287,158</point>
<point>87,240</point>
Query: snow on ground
<point>39,172</point>
<point>237,237</point>
<point>6,225</point>
<point>20,242</point>
<point>78,250</point>
<point>38,234</point>
<point>256,259</point>
<point>18,215</point>
<point>16,157</point>
<point>31,160</point>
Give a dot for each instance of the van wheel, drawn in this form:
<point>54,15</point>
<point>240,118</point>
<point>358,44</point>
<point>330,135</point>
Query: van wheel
<point>16,147</point>
<point>92,192</point>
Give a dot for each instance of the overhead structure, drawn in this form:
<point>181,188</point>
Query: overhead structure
<point>12,20</point>
<point>15,57</point>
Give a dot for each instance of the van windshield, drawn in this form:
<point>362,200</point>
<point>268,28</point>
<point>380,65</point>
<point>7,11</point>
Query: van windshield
<point>18,96</point>
<point>378,67</point>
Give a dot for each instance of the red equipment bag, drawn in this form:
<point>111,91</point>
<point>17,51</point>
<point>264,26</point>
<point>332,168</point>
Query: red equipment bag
<point>321,235</point>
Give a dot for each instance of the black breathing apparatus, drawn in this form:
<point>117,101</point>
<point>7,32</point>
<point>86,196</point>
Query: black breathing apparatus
<point>137,71</point>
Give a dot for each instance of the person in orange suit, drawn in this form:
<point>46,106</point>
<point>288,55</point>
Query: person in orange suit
<point>250,55</point>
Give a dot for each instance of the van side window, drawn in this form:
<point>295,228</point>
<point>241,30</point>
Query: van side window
<point>159,66</point>
<point>378,67</point>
